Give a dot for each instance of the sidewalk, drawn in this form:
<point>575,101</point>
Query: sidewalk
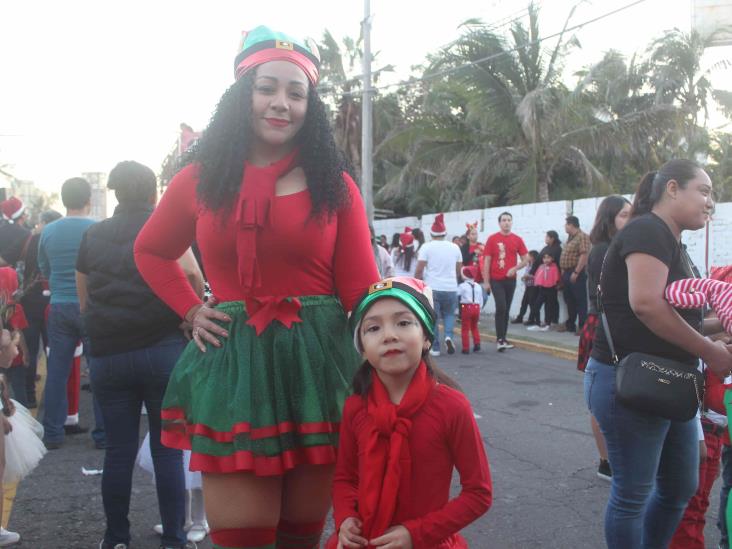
<point>561,345</point>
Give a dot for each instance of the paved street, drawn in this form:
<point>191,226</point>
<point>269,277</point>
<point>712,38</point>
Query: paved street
<point>537,436</point>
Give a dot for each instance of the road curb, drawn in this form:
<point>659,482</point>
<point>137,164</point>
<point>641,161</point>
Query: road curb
<point>558,352</point>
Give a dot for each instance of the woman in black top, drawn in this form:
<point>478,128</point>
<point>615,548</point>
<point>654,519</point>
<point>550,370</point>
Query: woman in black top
<point>612,215</point>
<point>135,340</point>
<point>654,460</point>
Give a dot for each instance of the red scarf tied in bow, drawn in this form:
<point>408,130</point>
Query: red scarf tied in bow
<point>388,464</point>
<point>252,213</point>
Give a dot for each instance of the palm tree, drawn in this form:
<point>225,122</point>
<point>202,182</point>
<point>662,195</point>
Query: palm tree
<point>495,123</point>
<point>341,84</point>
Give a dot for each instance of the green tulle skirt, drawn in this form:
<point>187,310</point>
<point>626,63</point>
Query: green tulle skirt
<point>267,403</point>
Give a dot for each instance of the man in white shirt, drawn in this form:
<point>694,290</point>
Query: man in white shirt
<point>439,263</point>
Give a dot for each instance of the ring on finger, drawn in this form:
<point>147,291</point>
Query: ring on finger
<point>195,332</point>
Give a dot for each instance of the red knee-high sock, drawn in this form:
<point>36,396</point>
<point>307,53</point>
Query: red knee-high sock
<point>244,538</point>
<point>291,535</point>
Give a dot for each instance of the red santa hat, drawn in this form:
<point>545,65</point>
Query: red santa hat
<point>12,208</point>
<point>438,227</point>
<point>406,239</point>
<point>470,271</point>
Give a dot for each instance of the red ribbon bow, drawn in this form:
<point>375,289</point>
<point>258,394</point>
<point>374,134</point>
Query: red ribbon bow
<point>264,309</point>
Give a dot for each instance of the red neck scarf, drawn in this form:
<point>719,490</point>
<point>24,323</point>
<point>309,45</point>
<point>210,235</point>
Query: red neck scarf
<point>252,213</point>
<point>388,464</point>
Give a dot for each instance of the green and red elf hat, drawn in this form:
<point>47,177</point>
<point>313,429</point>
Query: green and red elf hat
<point>261,45</point>
<point>414,293</point>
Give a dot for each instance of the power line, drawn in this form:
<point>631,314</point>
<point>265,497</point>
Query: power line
<point>417,80</point>
<point>508,20</point>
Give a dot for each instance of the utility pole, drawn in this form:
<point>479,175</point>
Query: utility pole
<point>367,139</point>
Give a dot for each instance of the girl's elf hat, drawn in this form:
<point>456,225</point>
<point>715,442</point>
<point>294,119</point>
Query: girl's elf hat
<point>414,293</point>
<point>262,44</point>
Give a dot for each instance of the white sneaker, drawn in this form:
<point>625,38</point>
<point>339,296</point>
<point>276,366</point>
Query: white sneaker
<point>500,346</point>
<point>198,532</point>
<point>507,345</point>
<point>544,328</point>
<point>158,528</point>
<point>434,353</point>
<point>7,537</point>
<point>533,328</point>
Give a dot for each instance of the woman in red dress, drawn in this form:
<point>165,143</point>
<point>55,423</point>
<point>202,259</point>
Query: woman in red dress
<point>285,245</point>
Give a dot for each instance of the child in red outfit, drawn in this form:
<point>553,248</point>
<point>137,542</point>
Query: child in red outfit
<point>470,295</point>
<point>385,490</point>
<point>547,279</point>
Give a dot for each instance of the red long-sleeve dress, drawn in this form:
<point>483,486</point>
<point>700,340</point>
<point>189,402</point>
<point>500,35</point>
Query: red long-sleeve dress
<point>270,398</point>
<point>444,436</point>
<point>297,255</point>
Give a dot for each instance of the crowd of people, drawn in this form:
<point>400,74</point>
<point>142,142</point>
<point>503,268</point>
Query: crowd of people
<point>286,356</point>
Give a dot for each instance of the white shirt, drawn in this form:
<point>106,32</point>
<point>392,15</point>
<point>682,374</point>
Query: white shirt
<point>470,292</point>
<point>397,258</point>
<point>442,258</point>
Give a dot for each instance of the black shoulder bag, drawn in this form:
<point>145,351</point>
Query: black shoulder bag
<point>651,384</point>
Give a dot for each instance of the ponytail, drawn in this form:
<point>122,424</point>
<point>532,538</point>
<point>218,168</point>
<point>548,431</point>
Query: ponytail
<point>643,202</point>
<point>653,184</point>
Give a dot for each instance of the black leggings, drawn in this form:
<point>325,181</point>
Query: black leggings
<point>503,294</point>
<point>548,298</point>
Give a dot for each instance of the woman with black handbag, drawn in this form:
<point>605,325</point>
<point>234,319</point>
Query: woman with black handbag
<point>651,438</point>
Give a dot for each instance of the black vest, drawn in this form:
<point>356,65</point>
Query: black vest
<point>122,312</point>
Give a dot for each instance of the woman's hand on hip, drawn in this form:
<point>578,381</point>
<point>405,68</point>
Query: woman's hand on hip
<point>205,330</point>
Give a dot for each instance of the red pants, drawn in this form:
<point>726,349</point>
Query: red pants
<point>469,316</point>
<point>73,387</point>
<point>690,532</point>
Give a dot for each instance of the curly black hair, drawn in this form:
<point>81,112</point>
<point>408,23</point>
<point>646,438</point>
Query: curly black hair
<point>224,146</point>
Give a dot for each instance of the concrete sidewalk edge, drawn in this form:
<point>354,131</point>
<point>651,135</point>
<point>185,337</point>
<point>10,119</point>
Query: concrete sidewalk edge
<point>519,343</point>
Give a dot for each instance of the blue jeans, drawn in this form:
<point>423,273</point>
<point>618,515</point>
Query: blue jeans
<point>655,464</point>
<point>122,382</point>
<point>64,332</point>
<point>445,305</point>
<point>724,494</point>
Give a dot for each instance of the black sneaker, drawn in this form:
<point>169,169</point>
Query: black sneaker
<point>450,346</point>
<point>476,347</point>
<point>75,429</point>
<point>603,471</point>
<point>517,320</point>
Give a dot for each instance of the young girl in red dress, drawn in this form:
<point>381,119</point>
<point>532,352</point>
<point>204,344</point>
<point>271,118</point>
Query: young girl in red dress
<point>403,431</point>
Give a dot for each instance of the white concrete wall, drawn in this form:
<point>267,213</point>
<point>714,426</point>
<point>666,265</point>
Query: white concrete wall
<point>531,221</point>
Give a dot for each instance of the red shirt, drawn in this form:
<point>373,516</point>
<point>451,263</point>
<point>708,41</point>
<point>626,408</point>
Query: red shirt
<point>504,251</point>
<point>297,255</point>
<point>444,435</point>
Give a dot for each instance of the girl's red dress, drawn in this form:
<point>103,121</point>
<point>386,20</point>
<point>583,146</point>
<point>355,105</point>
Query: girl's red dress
<point>444,436</point>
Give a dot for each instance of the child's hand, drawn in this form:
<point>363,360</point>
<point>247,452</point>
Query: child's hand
<point>7,427</point>
<point>349,534</point>
<point>396,537</point>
